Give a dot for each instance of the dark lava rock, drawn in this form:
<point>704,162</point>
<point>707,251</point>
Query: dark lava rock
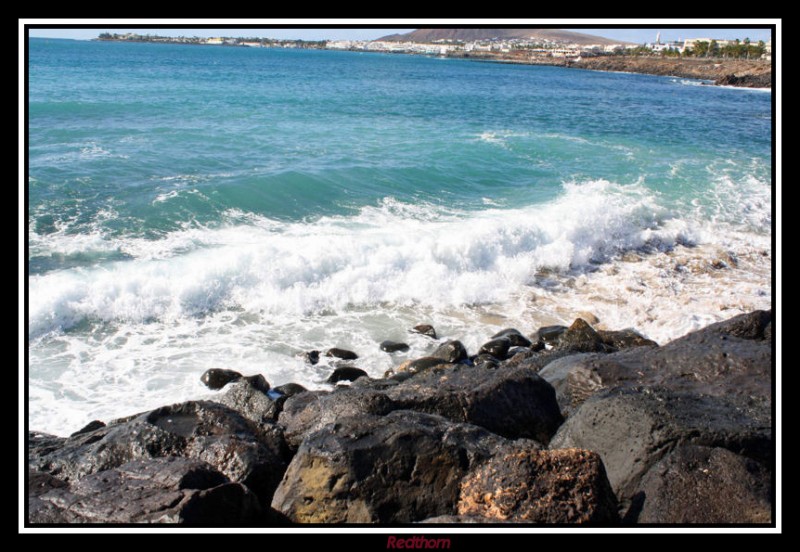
<point>399,468</point>
<point>246,452</point>
<point>512,402</point>
<point>498,348</point>
<point>695,484</point>
<point>164,490</point>
<point>393,346</point>
<point>290,389</point>
<point>516,355</point>
<point>257,382</point>
<point>625,339</point>
<point>632,429</point>
<point>91,426</point>
<point>346,373</point>
<point>483,357</point>
<point>514,337</point>
<point>303,414</point>
<point>581,338</point>
<point>420,365</point>
<point>452,352</point>
<point>40,483</point>
<point>424,329</point>
<point>251,402</point>
<point>343,354</point>
<point>549,334</point>
<point>540,486</point>
<point>573,379</point>
<point>311,357</point>
<point>217,378</point>
<point>747,81</point>
<point>730,358</point>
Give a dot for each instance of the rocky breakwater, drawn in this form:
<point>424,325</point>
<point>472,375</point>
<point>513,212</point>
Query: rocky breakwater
<point>567,425</point>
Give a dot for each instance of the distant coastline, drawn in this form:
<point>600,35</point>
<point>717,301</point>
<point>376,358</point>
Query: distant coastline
<point>748,73</point>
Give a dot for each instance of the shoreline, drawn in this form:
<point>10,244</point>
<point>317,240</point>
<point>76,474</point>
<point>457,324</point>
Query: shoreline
<point>738,73</point>
<point>536,429</point>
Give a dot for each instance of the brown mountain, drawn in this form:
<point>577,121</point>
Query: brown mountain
<point>469,34</point>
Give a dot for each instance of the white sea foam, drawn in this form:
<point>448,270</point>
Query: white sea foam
<point>254,294</point>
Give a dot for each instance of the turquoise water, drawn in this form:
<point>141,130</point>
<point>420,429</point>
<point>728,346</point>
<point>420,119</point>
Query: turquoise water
<point>197,206</point>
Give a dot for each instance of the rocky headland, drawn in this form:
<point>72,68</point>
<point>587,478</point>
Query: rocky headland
<point>568,425</point>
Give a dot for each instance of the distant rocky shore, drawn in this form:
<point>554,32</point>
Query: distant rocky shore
<point>755,73</point>
<point>568,425</point>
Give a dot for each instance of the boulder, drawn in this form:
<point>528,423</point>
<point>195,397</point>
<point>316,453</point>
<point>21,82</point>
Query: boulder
<point>311,357</point>
<point>731,359</point>
<point>424,329</point>
<point>163,490</point>
<point>258,382</point>
<point>632,429</point>
<point>515,338</point>
<point>580,337</point>
<point>399,468</point>
<point>217,378</point>
<point>253,454</point>
<point>393,346</point>
<point>540,486</point>
<point>420,365</point>
<point>451,352</point>
<point>549,334</point>
<point>697,484</point>
<point>343,354</point>
<point>251,402</point>
<point>624,339</point>
<point>346,373</point>
<point>512,402</point>
<point>498,348</point>
<point>303,414</point>
<point>289,389</point>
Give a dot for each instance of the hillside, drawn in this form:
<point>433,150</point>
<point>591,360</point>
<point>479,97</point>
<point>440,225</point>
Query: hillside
<point>470,34</point>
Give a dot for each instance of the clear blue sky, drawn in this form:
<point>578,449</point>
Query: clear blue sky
<point>623,34</point>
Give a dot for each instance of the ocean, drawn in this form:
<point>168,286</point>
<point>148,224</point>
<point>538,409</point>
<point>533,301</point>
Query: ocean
<point>195,207</point>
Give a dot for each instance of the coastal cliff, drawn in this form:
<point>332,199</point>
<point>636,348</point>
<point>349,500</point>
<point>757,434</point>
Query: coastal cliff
<point>565,425</point>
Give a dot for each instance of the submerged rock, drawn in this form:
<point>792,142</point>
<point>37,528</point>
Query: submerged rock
<point>540,486</point>
<point>311,357</point>
<point>343,354</point>
<point>424,329</point>
<point>393,346</point>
